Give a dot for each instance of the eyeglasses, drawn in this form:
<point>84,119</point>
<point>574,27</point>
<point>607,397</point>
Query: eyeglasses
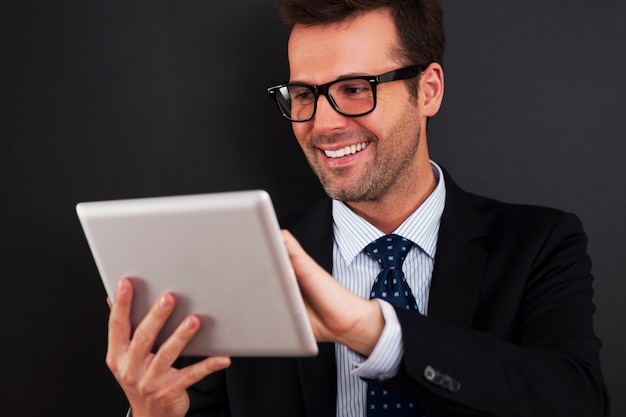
<point>351,96</point>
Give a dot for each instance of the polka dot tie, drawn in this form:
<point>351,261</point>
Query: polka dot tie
<point>390,285</point>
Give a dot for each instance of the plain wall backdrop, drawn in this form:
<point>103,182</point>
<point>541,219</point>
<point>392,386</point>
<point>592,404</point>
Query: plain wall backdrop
<point>116,99</point>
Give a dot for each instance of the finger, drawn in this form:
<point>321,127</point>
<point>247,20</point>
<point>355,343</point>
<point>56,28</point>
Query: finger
<point>147,331</point>
<point>194,373</point>
<point>171,349</point>
<point>119,321</point>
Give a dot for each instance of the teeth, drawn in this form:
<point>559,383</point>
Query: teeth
<point>348,150</point>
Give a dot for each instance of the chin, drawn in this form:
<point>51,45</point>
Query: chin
<point>349,195</point>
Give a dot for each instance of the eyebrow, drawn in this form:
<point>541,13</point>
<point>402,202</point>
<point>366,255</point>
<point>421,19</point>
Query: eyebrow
<point>341,77</point>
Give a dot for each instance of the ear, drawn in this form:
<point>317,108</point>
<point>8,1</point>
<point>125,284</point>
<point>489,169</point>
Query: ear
<point>431,89</point>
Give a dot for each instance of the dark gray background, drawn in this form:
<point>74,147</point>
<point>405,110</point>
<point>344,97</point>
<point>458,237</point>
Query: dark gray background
<point>113,99</point>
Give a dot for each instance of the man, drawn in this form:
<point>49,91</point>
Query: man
<point>503,325</point>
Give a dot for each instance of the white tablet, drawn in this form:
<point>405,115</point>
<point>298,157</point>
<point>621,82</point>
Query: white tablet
<point>223,258</point>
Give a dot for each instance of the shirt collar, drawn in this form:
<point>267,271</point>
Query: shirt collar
<point>353,233</point>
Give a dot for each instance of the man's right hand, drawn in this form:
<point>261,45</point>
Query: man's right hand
<point>152,385</point>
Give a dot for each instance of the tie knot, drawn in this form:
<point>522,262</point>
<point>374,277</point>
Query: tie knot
<point>389,250</point>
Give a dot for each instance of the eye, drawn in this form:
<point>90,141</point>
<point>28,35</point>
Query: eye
<point>353,89</point>
<point>301,94</point>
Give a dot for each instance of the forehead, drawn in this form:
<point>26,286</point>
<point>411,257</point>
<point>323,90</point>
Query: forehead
<point>364,44</point>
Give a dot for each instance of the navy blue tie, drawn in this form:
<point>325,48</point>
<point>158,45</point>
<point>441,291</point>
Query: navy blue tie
<point>390,285</point>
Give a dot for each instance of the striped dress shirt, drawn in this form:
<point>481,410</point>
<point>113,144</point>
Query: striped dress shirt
<point>356,271</point>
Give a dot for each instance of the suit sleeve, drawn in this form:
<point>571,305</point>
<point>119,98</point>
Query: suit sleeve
<point>541,359</point>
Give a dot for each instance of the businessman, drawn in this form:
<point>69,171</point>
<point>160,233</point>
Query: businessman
<point>489,311</point>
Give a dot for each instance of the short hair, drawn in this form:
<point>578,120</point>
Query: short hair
<point>419,23</point>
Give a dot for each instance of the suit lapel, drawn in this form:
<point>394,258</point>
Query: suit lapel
<point>318,376</point>
<point>459,261</point>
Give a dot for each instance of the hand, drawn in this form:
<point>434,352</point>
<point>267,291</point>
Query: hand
<point>335,313</point>
<point>153,387</point>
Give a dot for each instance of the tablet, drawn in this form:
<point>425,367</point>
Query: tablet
<point>221,255</point>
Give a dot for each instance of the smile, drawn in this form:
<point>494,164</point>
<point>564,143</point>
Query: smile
<point>348,150</point>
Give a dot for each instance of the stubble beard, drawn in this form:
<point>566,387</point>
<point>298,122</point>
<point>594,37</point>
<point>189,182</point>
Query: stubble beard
<point>380,176</point>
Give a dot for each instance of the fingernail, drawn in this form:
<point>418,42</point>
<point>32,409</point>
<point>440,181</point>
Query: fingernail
<point>189,324</point>
<point>164,302</point>
<point>221,362</point>
<point>121,288</point>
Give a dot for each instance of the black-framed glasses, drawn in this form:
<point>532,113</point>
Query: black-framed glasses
<point>350,96</point>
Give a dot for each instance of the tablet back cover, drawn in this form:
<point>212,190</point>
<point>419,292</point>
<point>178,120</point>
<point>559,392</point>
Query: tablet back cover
<point>222,257</point>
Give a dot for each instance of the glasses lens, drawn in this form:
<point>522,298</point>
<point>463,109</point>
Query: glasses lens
<point>352,97</point>
<point>296,101</point>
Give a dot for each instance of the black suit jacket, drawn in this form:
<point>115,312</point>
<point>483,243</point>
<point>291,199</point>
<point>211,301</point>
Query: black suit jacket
<point>509,330</point>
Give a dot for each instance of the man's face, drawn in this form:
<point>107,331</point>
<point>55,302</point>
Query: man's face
<point>357,158</point>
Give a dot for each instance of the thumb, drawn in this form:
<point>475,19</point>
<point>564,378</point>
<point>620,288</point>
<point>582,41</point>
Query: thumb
<point>304,266</point>
<point>317,285</point>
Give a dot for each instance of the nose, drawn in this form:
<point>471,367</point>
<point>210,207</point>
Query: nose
<point>327,119</point>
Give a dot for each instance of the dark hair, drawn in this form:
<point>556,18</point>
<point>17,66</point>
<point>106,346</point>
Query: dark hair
<point>419,22</point>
